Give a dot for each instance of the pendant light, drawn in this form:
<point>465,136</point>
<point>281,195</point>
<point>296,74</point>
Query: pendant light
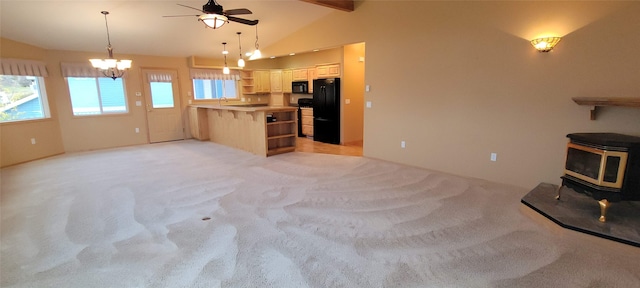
<point>225,70</point>
<point>110,67</point>
<point>240,60</point>
<point>256,54</point>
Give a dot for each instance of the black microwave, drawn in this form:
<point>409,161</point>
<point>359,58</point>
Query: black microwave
<point>300,87</point>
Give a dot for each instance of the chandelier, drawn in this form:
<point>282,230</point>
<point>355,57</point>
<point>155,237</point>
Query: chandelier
<point>110,67</point>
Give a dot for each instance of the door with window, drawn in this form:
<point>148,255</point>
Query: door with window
<point>164,115</point>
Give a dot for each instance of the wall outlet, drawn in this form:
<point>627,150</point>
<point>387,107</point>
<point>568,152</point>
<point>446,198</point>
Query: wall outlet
<point>138,103</point>
<point>403,144</point>
<point>137,130</point>
<point>347,101</point>
<point>258,99</point>
<point>494,157</point>
<point>367,88</point>
<point>33,141</point>
<point>138,94</point>
<point>250,99</point>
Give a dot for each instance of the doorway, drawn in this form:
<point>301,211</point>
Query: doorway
<point>164,116</point>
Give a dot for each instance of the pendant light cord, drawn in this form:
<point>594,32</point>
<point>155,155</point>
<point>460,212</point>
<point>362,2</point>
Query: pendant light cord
<point>256,37</point>
<point>106,24</point>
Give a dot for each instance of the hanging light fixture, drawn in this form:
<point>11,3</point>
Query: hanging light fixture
<point>256,54</point>
<point>545,44</point>
<point>225,70</point>
<point>213,21</point>
<point>110,67</point>
<point>240,60</point>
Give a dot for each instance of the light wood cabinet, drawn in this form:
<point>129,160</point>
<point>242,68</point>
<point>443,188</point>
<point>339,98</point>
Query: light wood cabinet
<point>287,78</point>
<point>262,81</point>
<point>275,80</point>
<point>300,74</point>
<point>307,121</point>
<point>328,71</point>
<point>198,124</point>
<point>282,133</point>
<point>311,74</point>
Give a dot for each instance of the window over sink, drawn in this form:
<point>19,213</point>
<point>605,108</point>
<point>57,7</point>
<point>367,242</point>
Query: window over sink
<point>214,89</point>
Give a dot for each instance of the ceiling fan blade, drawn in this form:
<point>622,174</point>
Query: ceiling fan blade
<point>200,10</point>
<point>180,15</point>
<point>241,11</point>
<point>243,21</point>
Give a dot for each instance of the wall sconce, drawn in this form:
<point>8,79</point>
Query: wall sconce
<point>545,44</point>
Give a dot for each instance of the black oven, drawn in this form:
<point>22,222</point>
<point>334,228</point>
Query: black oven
<point>300,87</point>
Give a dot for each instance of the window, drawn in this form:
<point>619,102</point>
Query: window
<point>162,94</point>
<point>22,98</point>
<point>214,89</point>
<point>97,95</point>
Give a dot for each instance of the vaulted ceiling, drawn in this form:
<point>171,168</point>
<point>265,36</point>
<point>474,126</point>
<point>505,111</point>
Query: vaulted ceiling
<point>137,27</point>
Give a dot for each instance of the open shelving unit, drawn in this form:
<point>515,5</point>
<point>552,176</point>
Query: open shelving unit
<point>282,133</point>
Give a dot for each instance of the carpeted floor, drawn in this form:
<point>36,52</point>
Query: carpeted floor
<point>196,214</point>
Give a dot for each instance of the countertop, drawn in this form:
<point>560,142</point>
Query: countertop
<point>244,108</point>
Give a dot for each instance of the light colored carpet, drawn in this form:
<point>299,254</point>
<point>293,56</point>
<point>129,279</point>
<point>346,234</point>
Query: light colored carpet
<point>132,217</point>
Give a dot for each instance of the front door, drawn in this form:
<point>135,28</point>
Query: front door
<point>164,116</point>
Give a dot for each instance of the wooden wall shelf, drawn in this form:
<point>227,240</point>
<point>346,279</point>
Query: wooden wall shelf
<point>596,102</point>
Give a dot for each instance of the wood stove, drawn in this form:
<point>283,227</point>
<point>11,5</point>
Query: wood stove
<point>605,166</point>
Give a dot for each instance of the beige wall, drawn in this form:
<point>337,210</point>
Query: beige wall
<point>353,93</point>
<point>15,138</point>
<point>459,80</point>
<point>67,133</point>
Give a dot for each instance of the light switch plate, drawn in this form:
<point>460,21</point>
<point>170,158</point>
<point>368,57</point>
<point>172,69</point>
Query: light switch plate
<point>347,101</point>
<point>138,103</point>
<point>368,104</point>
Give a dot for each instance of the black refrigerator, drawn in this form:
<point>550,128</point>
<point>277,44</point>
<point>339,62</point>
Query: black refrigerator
<point>326,110</point>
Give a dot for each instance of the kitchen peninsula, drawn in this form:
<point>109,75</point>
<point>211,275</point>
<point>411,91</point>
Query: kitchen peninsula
<point>261,130</point>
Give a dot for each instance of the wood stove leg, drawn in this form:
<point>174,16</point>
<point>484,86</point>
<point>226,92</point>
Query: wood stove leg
<point>604,205</point>
<point>558,192</point>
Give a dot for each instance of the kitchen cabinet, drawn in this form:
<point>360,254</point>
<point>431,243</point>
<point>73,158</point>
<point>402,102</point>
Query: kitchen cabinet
<point>275,81</point>
<point>262,81</point>
<point>287,78</point>
<point>306,118</point>
<point>328,71</point>
<point>311,74</point>
<point>300,74</point>
<point>198,124</point>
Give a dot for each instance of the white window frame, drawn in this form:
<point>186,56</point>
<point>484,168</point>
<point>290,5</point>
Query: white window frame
<point>102,110</point>
<point>215,97</point>
<point>44,101</point>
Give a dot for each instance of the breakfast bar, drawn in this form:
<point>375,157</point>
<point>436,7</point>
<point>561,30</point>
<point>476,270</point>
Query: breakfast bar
<point>261,130</point>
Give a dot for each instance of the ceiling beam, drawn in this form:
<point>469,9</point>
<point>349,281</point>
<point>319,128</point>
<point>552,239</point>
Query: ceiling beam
<point>344,5</point>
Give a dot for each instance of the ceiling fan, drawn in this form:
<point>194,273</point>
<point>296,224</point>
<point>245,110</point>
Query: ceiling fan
<point>214,16</point>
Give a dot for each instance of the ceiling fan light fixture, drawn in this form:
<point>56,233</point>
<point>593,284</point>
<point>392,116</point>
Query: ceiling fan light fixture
<point>213,21</point>
<point>110,67</point>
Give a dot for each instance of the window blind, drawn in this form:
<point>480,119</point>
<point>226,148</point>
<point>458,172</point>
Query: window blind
<point>22,67</point>
<point>79,70</point>
<point>214,74</point>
